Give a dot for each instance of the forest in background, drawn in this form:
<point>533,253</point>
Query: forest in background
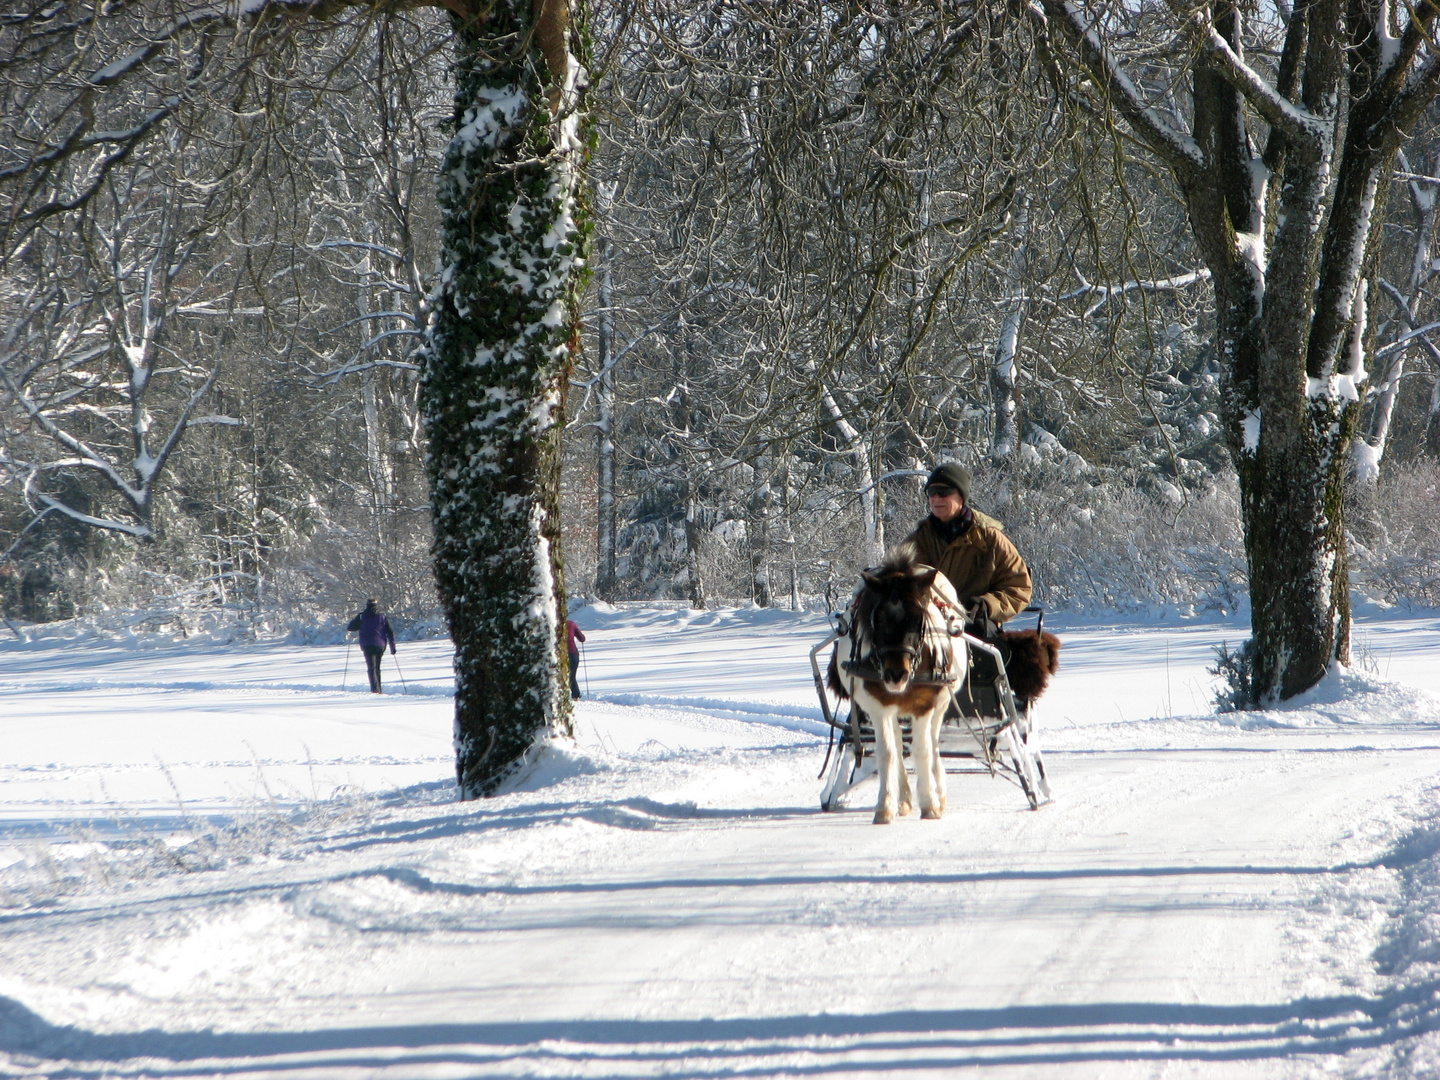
<point>833,245</point>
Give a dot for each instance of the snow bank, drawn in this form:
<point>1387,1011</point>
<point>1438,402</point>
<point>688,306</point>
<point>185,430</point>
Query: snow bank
<point>1346,696</point>
<point>1409,953</point>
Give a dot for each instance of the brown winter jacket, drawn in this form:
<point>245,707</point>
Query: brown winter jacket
<point>981,563</point>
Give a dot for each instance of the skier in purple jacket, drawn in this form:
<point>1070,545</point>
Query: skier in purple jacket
<point>374,633</point>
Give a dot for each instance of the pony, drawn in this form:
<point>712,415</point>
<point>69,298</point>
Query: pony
<point>900,655</point>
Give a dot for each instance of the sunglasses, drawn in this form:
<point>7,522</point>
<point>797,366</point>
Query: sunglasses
<point>941,490</point>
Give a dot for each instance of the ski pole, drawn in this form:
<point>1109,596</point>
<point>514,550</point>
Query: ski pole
<point>585,670</point>
<point>348,646</point>
<point>404,686</point>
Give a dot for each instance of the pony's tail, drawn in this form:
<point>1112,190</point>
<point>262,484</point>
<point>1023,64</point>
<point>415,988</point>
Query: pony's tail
<point>832,676</point>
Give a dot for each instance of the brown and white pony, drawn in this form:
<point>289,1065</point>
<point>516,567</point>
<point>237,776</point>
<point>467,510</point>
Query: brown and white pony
<point>900,654</point>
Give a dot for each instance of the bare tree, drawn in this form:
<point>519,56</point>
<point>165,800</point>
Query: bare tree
<point>803,189</point>
<point>113,323</point>
<point>88,89</point>
<point>1284,168</point>
<point>1405,332</point>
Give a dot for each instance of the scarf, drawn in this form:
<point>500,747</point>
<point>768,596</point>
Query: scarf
<point>950,531</point>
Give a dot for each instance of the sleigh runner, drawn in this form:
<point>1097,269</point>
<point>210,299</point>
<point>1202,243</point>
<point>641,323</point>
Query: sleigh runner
<point>986,728</point>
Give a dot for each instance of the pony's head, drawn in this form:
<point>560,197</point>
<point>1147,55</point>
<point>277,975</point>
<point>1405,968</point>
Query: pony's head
<point>891,615</point>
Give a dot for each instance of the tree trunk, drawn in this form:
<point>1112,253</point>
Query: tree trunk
<point>1369,449</point>
<point>1005,439</point>
<point>693,551</point>
<point>496,365</point>
<point>606,562</point>
<point>761,505</point>
<point>1295,552</point>
<point>855,446</point>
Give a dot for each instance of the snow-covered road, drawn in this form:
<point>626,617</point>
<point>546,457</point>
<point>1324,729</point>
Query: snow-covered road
<point>222,864</point>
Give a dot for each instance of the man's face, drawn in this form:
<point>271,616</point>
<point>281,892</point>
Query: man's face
<point>945,502</point>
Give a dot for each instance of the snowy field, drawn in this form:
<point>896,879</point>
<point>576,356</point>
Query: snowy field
<point>226,861</point>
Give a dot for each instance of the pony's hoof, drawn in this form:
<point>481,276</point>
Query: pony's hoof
<point>905,809</point>
<point>884,816</point>
<point>932,814</point>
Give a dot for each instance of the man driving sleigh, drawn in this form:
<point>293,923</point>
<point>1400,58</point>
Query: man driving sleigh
<point>993,585</point>
<point>898,657</point>
<point>972,551</point>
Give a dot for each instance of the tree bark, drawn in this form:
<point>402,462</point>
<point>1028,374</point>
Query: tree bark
<point>607,561</point>
<point>496,365</point>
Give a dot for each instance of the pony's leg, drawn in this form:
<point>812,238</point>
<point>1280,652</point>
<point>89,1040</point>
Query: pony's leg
<point>940,792</point>
<point>926,748</point>
<point>906,801</point>
<point>924,772</point>
<point>939,762</point>
<point>886,736</point>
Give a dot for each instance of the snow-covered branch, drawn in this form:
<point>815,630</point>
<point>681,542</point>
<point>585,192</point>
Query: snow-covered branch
<point>84,454</point>
<point>330,378</point>
<point>408,316</point>
<point>139,531</point>
<point>381,249</point>
<point>1161,132</point>
<point>1404,339</point>
<point>893,474</point>
<point>1105,292</point>
<point>1297,123</point>
<point>147,467</point>
<point>210,309</point>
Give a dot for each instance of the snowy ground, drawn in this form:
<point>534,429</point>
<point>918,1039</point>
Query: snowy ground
<point>216,861</point>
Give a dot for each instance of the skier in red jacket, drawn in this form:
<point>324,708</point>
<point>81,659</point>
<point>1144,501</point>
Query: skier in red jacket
<point>573,634</point>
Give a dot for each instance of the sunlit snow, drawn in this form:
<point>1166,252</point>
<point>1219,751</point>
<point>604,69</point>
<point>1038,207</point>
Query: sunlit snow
<point>224,859</point>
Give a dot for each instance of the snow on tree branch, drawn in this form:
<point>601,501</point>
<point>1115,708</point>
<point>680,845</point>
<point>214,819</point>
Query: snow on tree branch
<point>1295,121</point>
<point>1106,292</point>
<point>1162,132</point>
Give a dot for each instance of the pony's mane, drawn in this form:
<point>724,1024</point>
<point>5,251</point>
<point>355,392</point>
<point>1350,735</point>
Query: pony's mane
<point>900,568</point>
<point>900,561</point>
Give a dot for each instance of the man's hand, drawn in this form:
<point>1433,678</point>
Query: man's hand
<point>978,622</point>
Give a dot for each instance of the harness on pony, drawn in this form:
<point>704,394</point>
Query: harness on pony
<point>944,624</point>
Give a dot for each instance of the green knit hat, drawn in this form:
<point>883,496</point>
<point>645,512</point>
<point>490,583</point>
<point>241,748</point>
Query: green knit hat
<point>952,474</point>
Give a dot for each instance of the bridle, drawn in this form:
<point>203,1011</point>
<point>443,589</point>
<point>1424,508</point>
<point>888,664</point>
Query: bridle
<point>909,643</point>
<point>912,645</point>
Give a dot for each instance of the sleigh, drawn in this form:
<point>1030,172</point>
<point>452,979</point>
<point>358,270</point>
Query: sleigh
<point>989,728</point>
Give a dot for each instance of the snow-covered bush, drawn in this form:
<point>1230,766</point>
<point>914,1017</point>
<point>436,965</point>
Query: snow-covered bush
<point>1236,690</point>
<point>361,556</point>
<point>1395,546</point>
<point>1115,545</point>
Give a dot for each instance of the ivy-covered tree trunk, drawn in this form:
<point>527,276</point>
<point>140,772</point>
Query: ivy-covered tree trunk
<point>503,330</point>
